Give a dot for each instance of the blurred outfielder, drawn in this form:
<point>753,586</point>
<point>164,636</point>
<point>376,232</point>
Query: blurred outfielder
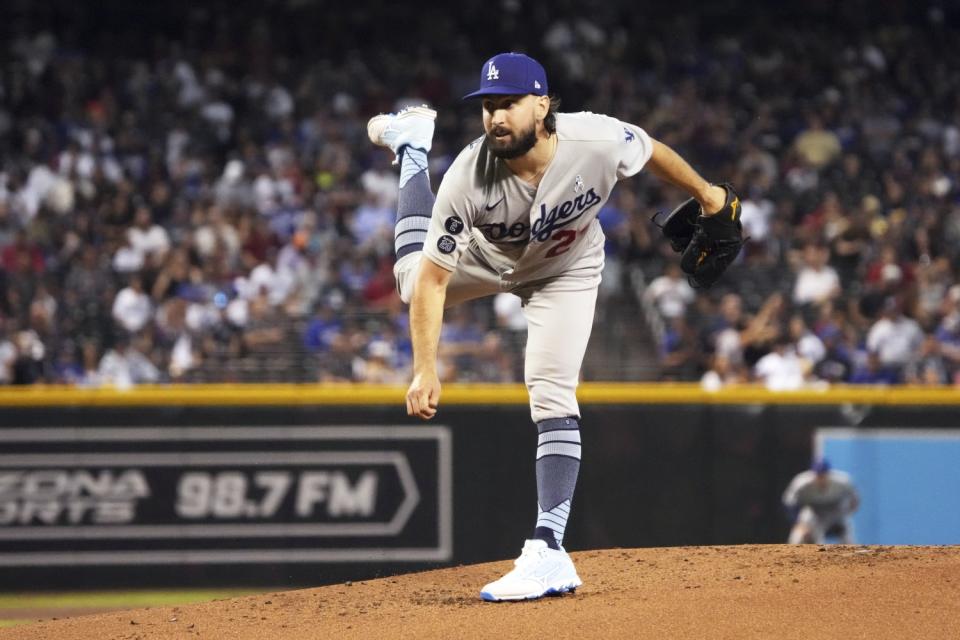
<point>822,500</point>
<point>517,212</point>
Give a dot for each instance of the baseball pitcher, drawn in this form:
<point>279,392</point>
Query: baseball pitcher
<point>517,212</point>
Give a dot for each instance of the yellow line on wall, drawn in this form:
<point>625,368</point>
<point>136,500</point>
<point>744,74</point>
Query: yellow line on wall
<point>457,394</point>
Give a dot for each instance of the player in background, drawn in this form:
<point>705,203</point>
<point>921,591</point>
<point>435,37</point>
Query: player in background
<point>822,500</point>
<point>517,212</point>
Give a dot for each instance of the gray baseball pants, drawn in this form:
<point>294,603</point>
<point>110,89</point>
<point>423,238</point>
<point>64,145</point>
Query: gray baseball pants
<point>559,314</point>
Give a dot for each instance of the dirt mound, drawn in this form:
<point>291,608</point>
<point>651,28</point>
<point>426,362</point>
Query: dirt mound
<point>682,592</point>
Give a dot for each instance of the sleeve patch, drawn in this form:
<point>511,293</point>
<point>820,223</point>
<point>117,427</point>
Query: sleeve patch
<point>446,244</point>
<point>453,224</point>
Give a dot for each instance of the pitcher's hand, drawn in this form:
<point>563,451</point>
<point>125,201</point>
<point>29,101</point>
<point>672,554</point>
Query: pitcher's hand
<point>423,396</point>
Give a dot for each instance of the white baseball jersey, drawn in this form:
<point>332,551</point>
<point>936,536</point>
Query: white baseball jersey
<point>527,233</point>
<point>838,495</point>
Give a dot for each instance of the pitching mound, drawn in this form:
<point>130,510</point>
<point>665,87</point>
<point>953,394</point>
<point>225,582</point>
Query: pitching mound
<point>694,592</point>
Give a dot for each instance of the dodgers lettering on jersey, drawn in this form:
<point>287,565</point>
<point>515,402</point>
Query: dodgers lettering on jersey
<point>562,214</point>
<point>531,233</point>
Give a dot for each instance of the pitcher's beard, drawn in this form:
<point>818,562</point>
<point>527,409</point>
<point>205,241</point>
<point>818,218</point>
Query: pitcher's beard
<point>513,146</point>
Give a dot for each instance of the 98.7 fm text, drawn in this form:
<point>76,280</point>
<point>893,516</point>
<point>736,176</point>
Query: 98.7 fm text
<point>264,494</point>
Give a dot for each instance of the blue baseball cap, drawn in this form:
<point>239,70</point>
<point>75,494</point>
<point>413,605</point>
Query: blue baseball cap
<point>821,466</point>
<point>511,74</point>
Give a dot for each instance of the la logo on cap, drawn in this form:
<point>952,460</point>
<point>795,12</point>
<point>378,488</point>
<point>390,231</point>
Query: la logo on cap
<point>511,74</point>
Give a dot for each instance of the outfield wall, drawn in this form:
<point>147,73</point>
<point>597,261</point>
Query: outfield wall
<point>304,484</point>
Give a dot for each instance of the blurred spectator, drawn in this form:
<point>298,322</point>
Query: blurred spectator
<point>725,331</point>
<point>722,373</point>
<point>128,259</point>
<point>263,329</point>
<point>22,255</point>
<point>948,331</point>
<point>124,366</point>
<point>808,345</point>
<point>670,292</point>
<point>760,165</point>
<point>614,219</point>
<point>67,367</point>
<point>277,284</point>
<point>8,356</point>
<point>886,276</point>
<point>851,242</point>
<point>816,281</point>
<point>460,342</point>
<point>873,372</point>
<point>28,368</point>
<point>929,367</point>
<point>678,352</point>
<point>894,338</point>
<point>379,366</point>
<point>148,239</point>
<point>933,285</point>
<point>763,328</point>
<point>132,308</point>
<point>89,356</point>
<point>836,363</point>
<point>215,236</point>
<point>815,145</point>
<point>782,369</point>
<point>323,328</point>
<point>372,222</point>
<point>88,277</point>
<point>756,216</point>
<point>494,360</point>
<point>178,322</point>
<point>336,365</point>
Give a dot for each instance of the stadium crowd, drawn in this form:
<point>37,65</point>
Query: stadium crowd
<point>205,205</point>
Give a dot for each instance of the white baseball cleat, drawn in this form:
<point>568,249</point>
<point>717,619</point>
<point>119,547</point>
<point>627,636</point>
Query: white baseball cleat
<point>539,571</point>
<point>412,126</point>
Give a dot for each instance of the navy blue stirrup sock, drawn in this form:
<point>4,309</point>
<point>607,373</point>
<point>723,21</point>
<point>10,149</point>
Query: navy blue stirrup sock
<point>558,464</point>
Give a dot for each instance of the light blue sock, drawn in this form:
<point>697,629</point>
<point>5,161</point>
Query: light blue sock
<point>415,203</point>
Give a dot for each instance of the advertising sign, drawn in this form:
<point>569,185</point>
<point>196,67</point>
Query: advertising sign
<point>196,495</point>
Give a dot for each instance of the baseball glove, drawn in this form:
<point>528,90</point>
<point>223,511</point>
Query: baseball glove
<point>678,227</point>
<point>708,244</point>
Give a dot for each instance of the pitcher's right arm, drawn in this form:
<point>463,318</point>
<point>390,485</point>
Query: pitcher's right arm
<point>426,319</point>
